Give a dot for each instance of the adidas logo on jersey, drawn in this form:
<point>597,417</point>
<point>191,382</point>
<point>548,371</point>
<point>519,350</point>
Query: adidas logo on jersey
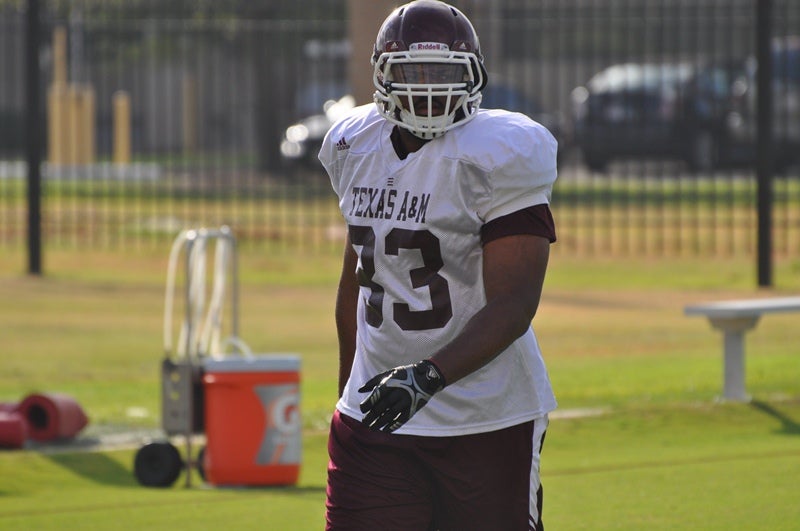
<point>342,144</point>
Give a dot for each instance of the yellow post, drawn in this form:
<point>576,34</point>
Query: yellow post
<point>86,124</point>
<point>122,127</point>
<point>73,126</point>
<point>57,101</point>
<point>60,56</point>
<point>58,118</point>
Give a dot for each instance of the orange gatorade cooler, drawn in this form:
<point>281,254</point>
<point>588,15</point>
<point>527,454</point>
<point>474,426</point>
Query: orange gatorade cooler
<point>252,420</point>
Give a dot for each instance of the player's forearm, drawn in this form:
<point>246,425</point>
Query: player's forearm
<point>513,275</point>
<point>492,330</point>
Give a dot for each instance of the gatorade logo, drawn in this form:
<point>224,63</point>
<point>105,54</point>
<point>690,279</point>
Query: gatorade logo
<point>281,441</point>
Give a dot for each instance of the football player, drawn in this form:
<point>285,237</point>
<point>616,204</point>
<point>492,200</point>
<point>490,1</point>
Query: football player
<point>444,395</point>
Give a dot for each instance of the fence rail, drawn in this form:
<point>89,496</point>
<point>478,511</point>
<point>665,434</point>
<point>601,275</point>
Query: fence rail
<point>200,96</point>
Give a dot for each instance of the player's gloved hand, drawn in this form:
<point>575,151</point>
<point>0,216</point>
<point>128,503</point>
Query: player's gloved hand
<point>397,394</point>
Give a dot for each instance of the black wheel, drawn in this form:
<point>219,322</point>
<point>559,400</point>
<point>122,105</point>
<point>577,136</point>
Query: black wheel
<point>157,464</point>
<point>201,470</point>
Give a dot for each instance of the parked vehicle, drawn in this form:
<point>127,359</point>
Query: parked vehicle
<point>705,116</point>
<point>651,111</point>
<point>303,139</point>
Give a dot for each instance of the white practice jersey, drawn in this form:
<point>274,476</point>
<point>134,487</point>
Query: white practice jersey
<point>415,224</point>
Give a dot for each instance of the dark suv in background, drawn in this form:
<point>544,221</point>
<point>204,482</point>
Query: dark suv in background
<point>654,111</point>
<point>702,115</point>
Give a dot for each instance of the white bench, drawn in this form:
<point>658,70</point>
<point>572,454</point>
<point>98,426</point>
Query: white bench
<point>734,318</point>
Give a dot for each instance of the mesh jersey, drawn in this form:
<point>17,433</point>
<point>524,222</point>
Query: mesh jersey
<point>415,224</point>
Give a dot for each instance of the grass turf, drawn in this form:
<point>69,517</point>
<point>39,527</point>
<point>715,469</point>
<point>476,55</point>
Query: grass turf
<point>665,454</point>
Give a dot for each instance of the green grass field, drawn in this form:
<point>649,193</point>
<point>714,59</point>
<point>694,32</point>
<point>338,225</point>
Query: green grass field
<point>662,452</point>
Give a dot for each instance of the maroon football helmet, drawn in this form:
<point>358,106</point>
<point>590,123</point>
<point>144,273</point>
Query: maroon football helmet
<point>428,68</point>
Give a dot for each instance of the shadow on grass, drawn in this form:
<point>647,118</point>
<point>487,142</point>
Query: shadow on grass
<point>102,469</point>
<point>789,426</point>
<point>94,466</point>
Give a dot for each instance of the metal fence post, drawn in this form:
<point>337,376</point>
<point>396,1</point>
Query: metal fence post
<point>764,147</point>
<point>33,138</point>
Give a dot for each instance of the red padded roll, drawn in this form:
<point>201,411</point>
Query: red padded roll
<point>52,416</point>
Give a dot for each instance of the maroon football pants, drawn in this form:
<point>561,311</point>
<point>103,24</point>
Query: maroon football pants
<point>385,482</point>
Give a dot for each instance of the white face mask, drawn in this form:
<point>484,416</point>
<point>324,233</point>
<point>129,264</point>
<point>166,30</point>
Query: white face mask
<point>424,89</point>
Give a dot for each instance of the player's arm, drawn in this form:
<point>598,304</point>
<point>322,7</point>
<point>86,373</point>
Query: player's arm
<point>513,275</point>
<point>345,313</point>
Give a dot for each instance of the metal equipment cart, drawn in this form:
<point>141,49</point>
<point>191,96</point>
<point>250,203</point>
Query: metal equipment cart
<point>200,337</point>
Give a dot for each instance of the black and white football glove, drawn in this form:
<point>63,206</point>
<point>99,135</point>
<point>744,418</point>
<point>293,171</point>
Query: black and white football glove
<point>397,394</point>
